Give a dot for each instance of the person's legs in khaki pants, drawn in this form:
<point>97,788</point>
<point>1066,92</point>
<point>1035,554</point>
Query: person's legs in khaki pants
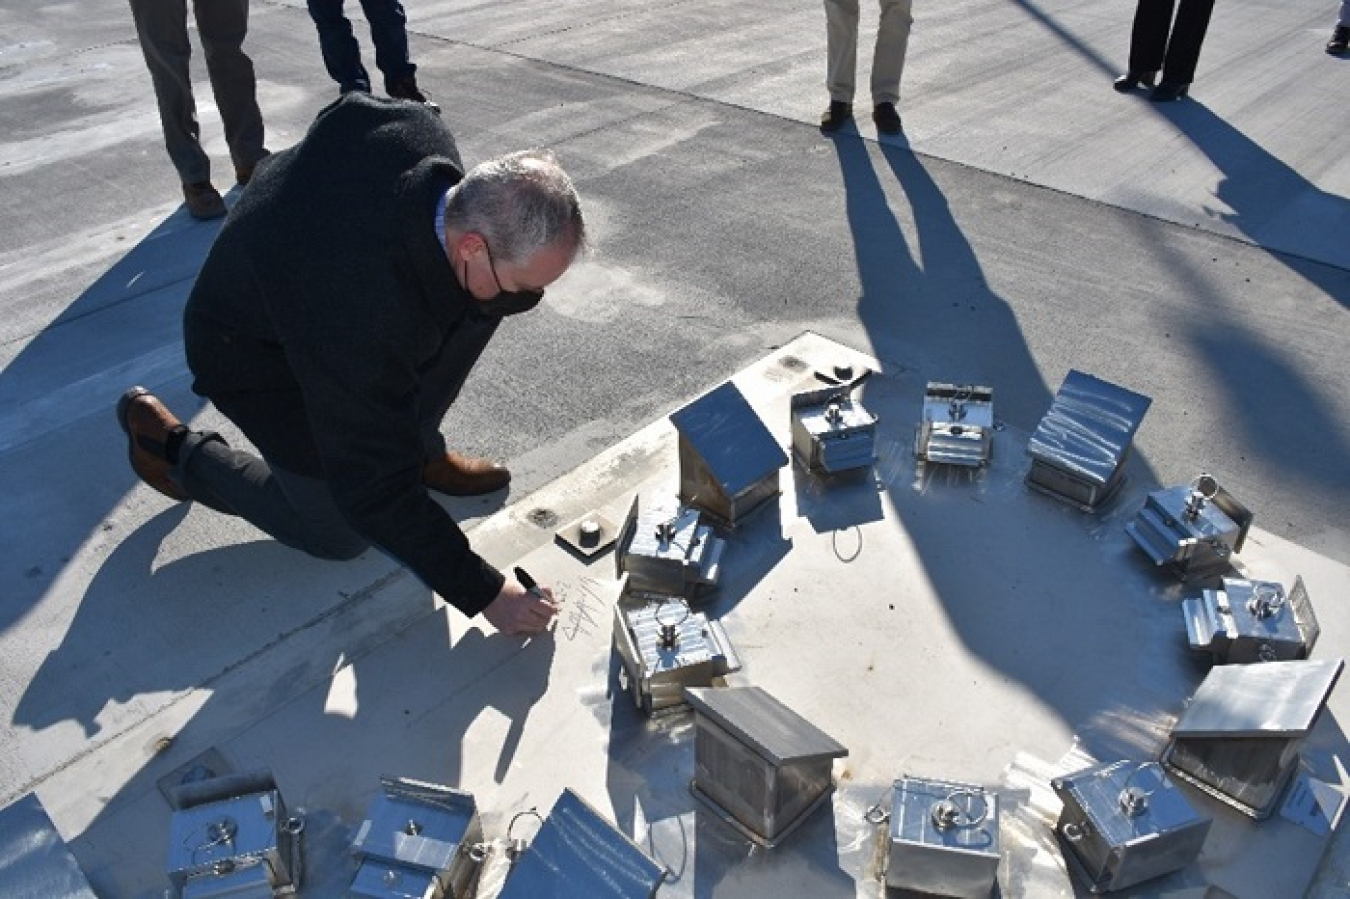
<point>888,61</point>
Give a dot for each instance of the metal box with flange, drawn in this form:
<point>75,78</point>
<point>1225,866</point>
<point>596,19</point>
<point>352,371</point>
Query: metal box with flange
<point>943,838</point>
<point>831,431</point>
<point>1252,621</point>
<point>665,646</point>
<point>1194,531</point>
<point>673,552</point>
<point>230,836</point>
<point>957,426</point>
<point>418,839</point>
<point>1126,822</point>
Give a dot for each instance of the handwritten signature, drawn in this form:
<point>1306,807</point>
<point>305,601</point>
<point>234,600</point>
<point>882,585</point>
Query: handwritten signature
<point>583,604</point>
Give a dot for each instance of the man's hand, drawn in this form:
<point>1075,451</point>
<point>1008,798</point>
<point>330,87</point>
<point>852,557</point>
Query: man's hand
<point>518,611</point>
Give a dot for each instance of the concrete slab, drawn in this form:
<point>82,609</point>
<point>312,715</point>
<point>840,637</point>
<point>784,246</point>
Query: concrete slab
<point>938,623</point>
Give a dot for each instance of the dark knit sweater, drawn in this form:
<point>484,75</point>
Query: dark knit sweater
<point>325,293</point>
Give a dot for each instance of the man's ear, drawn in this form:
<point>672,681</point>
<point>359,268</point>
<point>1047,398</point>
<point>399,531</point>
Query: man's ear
<point>470,243</point>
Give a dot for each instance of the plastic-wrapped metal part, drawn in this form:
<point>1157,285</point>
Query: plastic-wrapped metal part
<point>418,840</point>
<point>37,861</point>
<point>759,765</point>
<point>230,836</point>
<point>577,853</point>
<point>1192,530</point>
<point>943,838</point>
<point>671,552</point>
<point>957,426</point>
<point>729,461</point>
<point>1126,822</point>
<point>665,646</point>
<point>1252,621</point>
<point>1078,450</point>
<point>1239,737</point>
<point>832,432</point>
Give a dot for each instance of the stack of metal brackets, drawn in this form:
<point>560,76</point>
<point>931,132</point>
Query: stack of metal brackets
<point>230,836</point>
<point>944,839</point>
<point>1125,823</point>
<point>665,646</point>
<point>957,426</point>
<point>729,461</point>
<point>418,839</point>
<point>1078,450</point>
<point>1239,737</point>
<point>759,765</point>
<point>674,553</point>
<point>1192,530</point>
<point>578,853</point>
<point>1252,621</point>
<point>831,432</point>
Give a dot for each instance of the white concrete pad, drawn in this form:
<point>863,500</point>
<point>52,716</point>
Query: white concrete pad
<point>945,624</point>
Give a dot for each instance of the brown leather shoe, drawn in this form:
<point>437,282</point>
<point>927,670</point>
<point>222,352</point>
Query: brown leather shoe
<point>203,200</point>
<point>149,426</point>
<point>457,475</point>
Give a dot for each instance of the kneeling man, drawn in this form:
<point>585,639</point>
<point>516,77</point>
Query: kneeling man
<point>338,314</point>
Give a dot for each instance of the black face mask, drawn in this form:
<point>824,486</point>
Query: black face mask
<point>510,302</point>
<point>506,302</point>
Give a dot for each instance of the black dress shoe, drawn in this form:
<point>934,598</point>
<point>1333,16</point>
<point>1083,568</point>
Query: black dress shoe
<point>836,116</point>
<point>1168,91</point>
<point>886,118</point>
<point>407,89</point>
<point>1131,80</point>
<point>1340,41</point>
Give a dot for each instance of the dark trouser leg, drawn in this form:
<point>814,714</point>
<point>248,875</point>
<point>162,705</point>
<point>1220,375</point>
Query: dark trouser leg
<point>161,26</point>
<point>389,31</point>
<point>294,510</point>
<point>341,53</point>
<point>1183,50</point>
<point>1148,37</point>
<point>443,379</point>
<point>223,24</point>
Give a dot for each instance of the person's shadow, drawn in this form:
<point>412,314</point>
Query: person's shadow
<point>931,305</point>
<point>388,676</point>
<point>933,308</point>
<point>1267,199</point>
<point>128,321</point>
<point>1281,411</point>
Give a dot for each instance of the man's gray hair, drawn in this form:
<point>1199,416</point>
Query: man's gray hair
<point>520,203</point>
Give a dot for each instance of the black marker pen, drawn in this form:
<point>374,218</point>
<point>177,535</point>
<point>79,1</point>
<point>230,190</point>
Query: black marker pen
<point>528,582</point>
